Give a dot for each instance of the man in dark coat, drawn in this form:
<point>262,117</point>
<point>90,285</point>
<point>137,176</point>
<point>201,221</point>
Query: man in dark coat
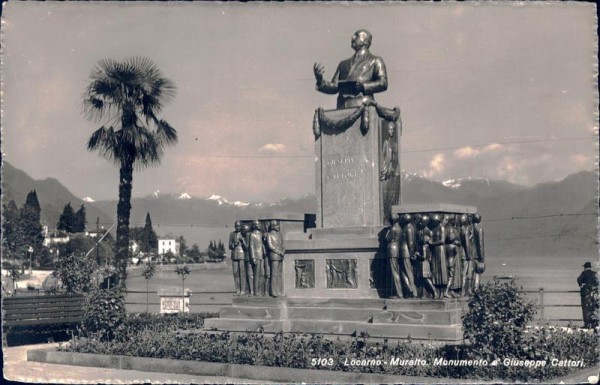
<point>588,287</point>
<point>357,78</point>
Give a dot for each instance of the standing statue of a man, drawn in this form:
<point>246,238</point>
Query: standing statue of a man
<point>237,259</point>
<point>276,248</point>
<point>357,78</point>
<point>257,251</point>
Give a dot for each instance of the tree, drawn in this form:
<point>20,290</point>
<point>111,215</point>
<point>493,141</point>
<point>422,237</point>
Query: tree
<point>79,220</point>
<point>195,253</point>
<point>182,246</point>
<point>29,222</point>
<point>11,238</point>
<point>148,273</point>
<point>183,272</point>
<point>67,219</point>
<point>127,96</point>
<point>221,250</point>
<point>212,251</point>
<point>149,239</point>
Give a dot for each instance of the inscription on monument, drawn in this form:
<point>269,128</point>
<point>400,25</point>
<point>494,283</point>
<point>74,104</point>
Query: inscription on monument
<point>341,273</point>
<point>305,273</point>
<point>340,168</point>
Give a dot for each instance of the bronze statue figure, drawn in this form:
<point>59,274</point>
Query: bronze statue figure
<point>466,240</point>
<point>256,252</point>
<point>439,265</point>
<point>393,236</point>
<point>389,154</point>
<point>454,253</point>
<point>389,173</point>
<point>357,78</point>
<point>423,256</point>
<point>407,252</point>
<point>479,266</point>
<point>245,241</point>
<point>276,249</point>
<point>237,259</point>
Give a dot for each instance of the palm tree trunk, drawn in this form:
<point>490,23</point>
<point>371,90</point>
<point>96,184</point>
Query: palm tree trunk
<point>123,212</point>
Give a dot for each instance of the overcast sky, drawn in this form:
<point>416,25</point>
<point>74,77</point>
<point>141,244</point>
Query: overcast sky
<point>504,91</point>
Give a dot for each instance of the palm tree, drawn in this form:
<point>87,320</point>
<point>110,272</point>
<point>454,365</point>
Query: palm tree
<point>126,98</point>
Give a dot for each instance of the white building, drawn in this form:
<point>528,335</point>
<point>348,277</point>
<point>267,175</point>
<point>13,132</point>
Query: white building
<point>168,244</point>
<point>56,237</point>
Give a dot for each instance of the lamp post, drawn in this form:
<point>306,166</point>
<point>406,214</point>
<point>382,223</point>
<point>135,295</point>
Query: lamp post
<point>30,254</point>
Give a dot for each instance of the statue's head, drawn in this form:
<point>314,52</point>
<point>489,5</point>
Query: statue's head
<point>395,217</point>
<point>245,229</point>
<point>436,219</point>
<point>464,219</point>
<point>405,218</point>
<point>274,225</point>
<point>255,225</point>
<point>476,218</point>
<point>361,39</point>
<point>391,127</point>
<point>424,220</point>
<point>238,226</point>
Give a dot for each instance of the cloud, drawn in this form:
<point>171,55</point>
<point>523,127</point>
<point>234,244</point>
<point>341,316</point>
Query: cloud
<point>435,166</point>
<point>581,160</point>
<point>466,152</point>
<point>272,147</point>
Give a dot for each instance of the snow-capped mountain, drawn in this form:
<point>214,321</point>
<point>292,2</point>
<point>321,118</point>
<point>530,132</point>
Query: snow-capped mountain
<point>156,194</point>
<point>184,196</point>
<point>222,200</point>
<point>88,199</point>
<point>458,182</point>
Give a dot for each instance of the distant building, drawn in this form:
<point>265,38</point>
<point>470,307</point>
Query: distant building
<point>56,237</point>
<point>134,247</point>
<point>168,244</point>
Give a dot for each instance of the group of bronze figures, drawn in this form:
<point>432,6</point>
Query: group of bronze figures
<point>442,254</point>
<point>257,258</point>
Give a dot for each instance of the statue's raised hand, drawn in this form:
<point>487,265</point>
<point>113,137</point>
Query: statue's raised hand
<point>319,70</point>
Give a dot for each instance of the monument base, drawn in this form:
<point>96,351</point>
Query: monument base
<point>435,320</point>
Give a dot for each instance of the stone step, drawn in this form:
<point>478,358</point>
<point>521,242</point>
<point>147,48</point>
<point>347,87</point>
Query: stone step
<point>252,312</point>
<point>421,332</point>
<point>420,317</point>
<point>361,303</point>
<point>258,301</point>
<point>424,304</point>
<point>379,330</point>
<point>242,325</point>
<point>331,314</point>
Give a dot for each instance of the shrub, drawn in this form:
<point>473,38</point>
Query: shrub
<point>75,272</point>
<point>496,318</point>
<point>104,313</point>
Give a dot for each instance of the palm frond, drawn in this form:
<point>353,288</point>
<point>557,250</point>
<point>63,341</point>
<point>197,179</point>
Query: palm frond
<point>105,141</point>
<point>126,94</point>
<point>165,132</point>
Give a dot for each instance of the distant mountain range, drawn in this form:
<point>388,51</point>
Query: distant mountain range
<point>556,218</point>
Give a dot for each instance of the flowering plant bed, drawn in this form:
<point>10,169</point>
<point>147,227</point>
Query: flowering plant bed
<point>557,353</point>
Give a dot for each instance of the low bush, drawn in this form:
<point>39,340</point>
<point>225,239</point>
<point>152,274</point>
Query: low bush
<point>104,313</point>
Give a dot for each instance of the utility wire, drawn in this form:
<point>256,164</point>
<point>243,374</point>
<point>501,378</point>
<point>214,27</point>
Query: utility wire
<point>524,217</point>
<point>404,152</point>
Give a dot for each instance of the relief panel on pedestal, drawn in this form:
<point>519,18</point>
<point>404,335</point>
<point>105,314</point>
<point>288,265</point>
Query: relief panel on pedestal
<point>305,273</point>
<point>341,273</point>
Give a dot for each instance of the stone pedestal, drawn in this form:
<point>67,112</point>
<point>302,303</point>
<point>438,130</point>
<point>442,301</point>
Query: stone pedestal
<point>381,318</point>
<point>347,174</point>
